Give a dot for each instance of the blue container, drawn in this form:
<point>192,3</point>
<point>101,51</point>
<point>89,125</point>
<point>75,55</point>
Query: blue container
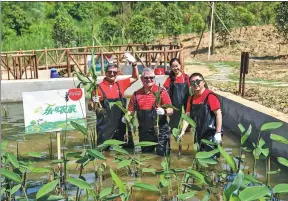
<point>53,73</point>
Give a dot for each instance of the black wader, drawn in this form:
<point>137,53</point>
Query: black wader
<point>147,121</point>
<point>205,120</point>
<point>179,93</point>
<point>109,123</point>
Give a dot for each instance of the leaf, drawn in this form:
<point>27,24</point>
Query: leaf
<point>271,126</point>
<point>280,188</point>
<point>251,178</point>
<point>47,188</point>
<point>279,138</point>
<point>113,142</point>
<point>188,119</point>
<point>124,163</point>
<point>13,160</point>
<point>11,175</point>
<point>234,197</point>
<point>96,154</point>
<point>15,189</point>
<point>204,154</point>
<point>4,145</point>
<point>35,154</point>
<point>112,197</point>
<point>274,172</point>
<point>145,144</point>
<point>79,127</point>
<point>150,170</point>
<point>118,181</point>
<point>209,161</point>
<point>197,175</point>
<point>186,195</point>
<point>146,186</point>
<point>236,184</point>
<point>283,161</point>
<point>246,135</point>
<point>206,196</point>
<point>80,183</point>
<point>120,150</point>
<point>175,132</point>
<point>253,193</point>
<point>105,192</point>
<point>241,127</point>
<point>208,142</point>
<point>228,158</point>
<point>55,197</point>
<point>40,170</point>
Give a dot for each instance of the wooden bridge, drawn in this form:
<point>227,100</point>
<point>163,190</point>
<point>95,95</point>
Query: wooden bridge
<point>28,64</point>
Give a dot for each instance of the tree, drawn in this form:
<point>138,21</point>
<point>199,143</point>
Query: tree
<point>159,17</point>
<point>244,17</point>
<point>141,29</point>
<point>174,25</point>
<point>109,29</point>
<point>226,13</point>
<point>63,30</point>
<point>282,20</point>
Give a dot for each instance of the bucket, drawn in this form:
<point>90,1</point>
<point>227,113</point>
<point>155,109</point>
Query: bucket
<point>53,73</point>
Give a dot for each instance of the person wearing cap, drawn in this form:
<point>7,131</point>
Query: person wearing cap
<point>177,85</point>
<point>109,124</point>
<point>205,109</point>
<point>144,103</point>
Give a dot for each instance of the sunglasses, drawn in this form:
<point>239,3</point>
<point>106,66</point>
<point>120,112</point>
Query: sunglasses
<point>196,82</point>
<point>149,78</point>
<point>110,72</point>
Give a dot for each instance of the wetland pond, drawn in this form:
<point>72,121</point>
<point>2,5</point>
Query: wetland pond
<point>13,131</point>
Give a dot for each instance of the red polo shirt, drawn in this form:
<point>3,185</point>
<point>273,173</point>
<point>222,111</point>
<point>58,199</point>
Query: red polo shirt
<point>212,101</point>
<point>181,79</point>
<point>111,89</point>
<point>146,101</point>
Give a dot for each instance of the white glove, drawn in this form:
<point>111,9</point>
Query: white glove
<point>181,134</point>
<point>123,120</point>
<point>160,111</point>
<point>96,99</point>
<point>129,57</point>
<point>218,138</point>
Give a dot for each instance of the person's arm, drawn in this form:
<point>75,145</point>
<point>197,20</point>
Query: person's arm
<point>218,115</point>
<point>135,73</point>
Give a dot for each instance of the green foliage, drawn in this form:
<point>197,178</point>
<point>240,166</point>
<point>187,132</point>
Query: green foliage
<point>141,29</point>
<point>226,13</point>
<point>282,20</point>
<point>63,30</point>
<point>109,29</point>
<point>174,25</point>
<point>244,17</point>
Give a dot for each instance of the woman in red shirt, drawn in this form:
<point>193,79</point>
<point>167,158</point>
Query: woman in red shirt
<point>177,85</point>
<point>204,108</point>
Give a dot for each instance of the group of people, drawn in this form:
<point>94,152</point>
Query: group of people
<point>203,107</point>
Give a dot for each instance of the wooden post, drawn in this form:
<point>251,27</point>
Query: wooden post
<point>85,62</point>
<point>46,61</point>
<point>35,66</point>
<point>20,67</point>
<point>165,58</point>
<point>102,62</point>
<point>68,62</point>
<point>58,144</point>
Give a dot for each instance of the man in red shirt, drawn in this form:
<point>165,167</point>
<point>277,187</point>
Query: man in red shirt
<point>204,108</point>
<point>109,124</point>
<point>144,103</point>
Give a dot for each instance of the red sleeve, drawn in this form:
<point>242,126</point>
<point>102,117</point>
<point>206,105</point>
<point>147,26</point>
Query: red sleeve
<point>167,83</point>
<point>188,107</point>
<point>165,99</point>
<point>213,102</point>
<point>124,84</point>
<point>131,104</point>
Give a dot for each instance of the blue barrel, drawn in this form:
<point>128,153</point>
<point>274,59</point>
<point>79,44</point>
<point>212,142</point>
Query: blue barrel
<point>53,73</point>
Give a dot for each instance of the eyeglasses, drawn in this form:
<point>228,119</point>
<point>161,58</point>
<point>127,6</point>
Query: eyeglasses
<point>196,82</point>
<point>110,72</point>
<point>149,78</point>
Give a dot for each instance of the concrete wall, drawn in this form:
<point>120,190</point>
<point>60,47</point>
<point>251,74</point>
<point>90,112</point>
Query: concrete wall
<point>236,109</point>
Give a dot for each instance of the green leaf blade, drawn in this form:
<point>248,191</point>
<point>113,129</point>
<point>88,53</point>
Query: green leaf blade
<point>47,188</point>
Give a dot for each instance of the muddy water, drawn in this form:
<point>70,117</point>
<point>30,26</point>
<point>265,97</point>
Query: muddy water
<point>13,130</point>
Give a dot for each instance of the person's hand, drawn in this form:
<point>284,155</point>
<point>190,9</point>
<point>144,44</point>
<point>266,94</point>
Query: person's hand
<point>123,120</point>
<point>181,134</point>
<point>218,138</point>
<point>160,111</point>
<point>129,57</point>
<point>96,99</point>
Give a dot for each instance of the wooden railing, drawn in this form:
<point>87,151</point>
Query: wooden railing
<point>76,58</point>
